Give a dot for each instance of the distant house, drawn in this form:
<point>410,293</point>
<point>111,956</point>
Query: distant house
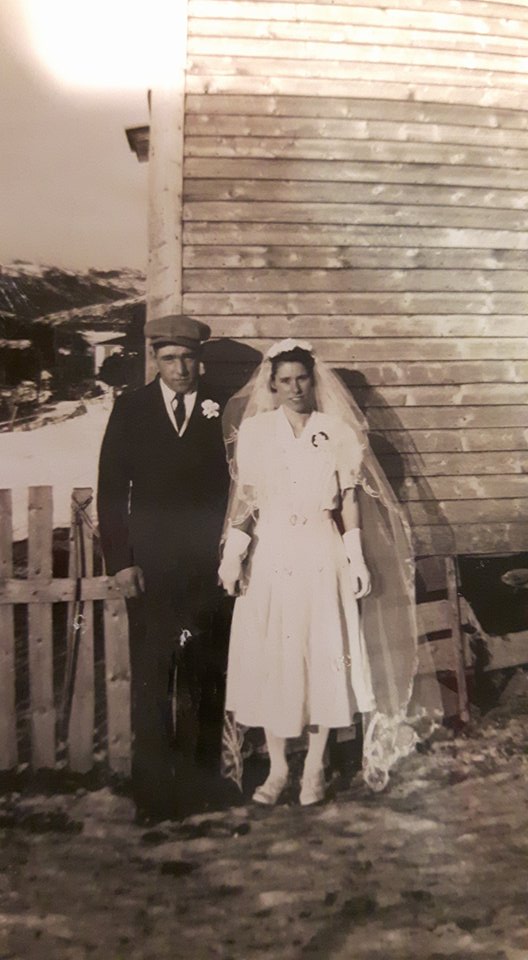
<point>17,361</point>
<point>74,344</point>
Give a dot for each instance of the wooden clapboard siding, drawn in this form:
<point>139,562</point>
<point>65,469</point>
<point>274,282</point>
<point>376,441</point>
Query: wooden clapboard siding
<point>396,326</point>
<point>357,175</point>
<point>338,171</point>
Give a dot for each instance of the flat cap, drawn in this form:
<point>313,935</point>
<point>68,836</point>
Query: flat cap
<point>179,329</point>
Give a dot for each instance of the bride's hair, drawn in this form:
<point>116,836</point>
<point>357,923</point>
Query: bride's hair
<point>296,355</point>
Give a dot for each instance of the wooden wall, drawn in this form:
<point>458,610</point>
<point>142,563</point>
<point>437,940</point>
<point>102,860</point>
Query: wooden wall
<point>357,175</point>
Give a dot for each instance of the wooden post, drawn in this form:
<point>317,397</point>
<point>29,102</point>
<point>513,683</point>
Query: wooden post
<point>8,738</point>
<point>40,631</point>
<point>165,218</point>
<point>82,714</point>
<point>117,686</point>
<point>458,647</point>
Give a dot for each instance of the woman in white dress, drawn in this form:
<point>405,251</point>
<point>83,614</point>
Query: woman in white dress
<point>298,659</point>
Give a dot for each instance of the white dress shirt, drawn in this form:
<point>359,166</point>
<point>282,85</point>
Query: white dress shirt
<point>189,400</point>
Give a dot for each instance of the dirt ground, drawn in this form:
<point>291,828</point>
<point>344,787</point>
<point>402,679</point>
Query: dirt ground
<point>435,868</point>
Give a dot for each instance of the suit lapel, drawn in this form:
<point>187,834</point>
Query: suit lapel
<point>161,417</point>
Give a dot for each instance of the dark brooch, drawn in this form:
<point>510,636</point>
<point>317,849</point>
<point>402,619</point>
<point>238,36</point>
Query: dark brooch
<point>317,438</point>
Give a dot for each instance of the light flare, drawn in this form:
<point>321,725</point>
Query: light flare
<point>107,44</point>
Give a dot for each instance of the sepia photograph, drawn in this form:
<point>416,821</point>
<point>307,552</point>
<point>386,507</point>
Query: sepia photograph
<point>263,500</point>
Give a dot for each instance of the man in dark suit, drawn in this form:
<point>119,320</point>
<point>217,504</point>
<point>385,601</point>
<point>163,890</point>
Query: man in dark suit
<point>163,484</point>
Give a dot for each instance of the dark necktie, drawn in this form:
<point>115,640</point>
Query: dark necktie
<point>178,405</point>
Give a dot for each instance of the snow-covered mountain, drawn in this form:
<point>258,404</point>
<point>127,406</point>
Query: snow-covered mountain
<point>29,291</point>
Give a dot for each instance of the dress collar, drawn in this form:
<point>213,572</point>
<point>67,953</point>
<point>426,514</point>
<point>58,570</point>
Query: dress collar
<point>285,430</point>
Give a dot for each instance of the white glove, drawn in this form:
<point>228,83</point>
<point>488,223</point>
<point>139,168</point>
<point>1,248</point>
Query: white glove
<point>358,567</point>
<point>235,549</point>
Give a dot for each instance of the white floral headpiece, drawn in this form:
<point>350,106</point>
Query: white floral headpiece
<point>286,345</point>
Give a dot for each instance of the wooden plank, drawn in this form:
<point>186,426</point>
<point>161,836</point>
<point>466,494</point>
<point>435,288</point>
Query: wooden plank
<point>438,17</point>
<point>273,168</point>
<point>430,571</point>
<point>361,281</point>
<point>424,90</point>
<point>82,714</point>
<point>456,372</point>
<point>8,733</point>
<point>433,616</point>
<point>314,57</point>
<point>165,179</point>
<point>354,108</point>
<point>117,687</point>
<point>411,69</point>
<point>469,511</point>
<point>216,125</point>
<point>455,464</point>
<point>473,539</point>
<point>235,257</point>
<point>508,44</point>
<point>370,349</point>
<point>59,590</point>
<point>510,650</point>
<point>500,486</point>
<point>440,654</point>
<point>40,631</point>
<point>457,641</point>
<point>452,441</point>
<point>318,148</point>
<point>319,191</point>
<point>304,234</point>
<point>395,326</point>
<point>354,214</point>
<point>474,394</point>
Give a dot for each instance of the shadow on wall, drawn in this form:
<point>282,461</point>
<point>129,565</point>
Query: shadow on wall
<point>404,481</point>
<point>228,366</point>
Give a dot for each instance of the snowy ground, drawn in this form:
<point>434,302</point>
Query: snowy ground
<point>63,455</point>
<point>434,868</point>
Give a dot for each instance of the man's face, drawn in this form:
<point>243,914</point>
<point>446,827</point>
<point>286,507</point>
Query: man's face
<point>178,367</point>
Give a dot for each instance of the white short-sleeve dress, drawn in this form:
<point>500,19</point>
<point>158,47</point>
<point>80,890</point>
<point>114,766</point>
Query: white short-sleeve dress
<point>297,655</point>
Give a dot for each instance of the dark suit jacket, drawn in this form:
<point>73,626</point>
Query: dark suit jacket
<point>161,497</point>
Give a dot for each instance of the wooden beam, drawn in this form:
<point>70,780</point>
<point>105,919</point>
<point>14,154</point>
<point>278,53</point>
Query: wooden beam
<point>117,676</point>
<point>355,108</point>
<point>82,715</point>
<point>8,734</point>
<point>303,234</point>
<point>350,171</point>
<point>413,326</point>
<point>220,78</point>
<point>40,631</point>
<point>164,275</point>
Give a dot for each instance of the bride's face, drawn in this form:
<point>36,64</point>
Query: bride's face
<point>294,387</point>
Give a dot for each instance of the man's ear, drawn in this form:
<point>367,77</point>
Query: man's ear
<point>201,369</point>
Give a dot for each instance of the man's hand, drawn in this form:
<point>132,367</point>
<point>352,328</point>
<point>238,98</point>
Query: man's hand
<point>130,581</point>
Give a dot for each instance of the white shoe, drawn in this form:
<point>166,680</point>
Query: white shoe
<point>270,792</point>
<point>313,789</point>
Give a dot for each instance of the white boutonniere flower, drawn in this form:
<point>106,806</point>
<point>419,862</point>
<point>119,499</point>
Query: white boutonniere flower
<point>210,408</point>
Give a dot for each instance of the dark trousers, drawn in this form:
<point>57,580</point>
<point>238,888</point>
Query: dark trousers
<point>177,700</point>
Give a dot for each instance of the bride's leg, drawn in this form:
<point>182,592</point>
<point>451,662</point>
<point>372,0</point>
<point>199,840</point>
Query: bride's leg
<point>269,792</point>
<point>313,780</point>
